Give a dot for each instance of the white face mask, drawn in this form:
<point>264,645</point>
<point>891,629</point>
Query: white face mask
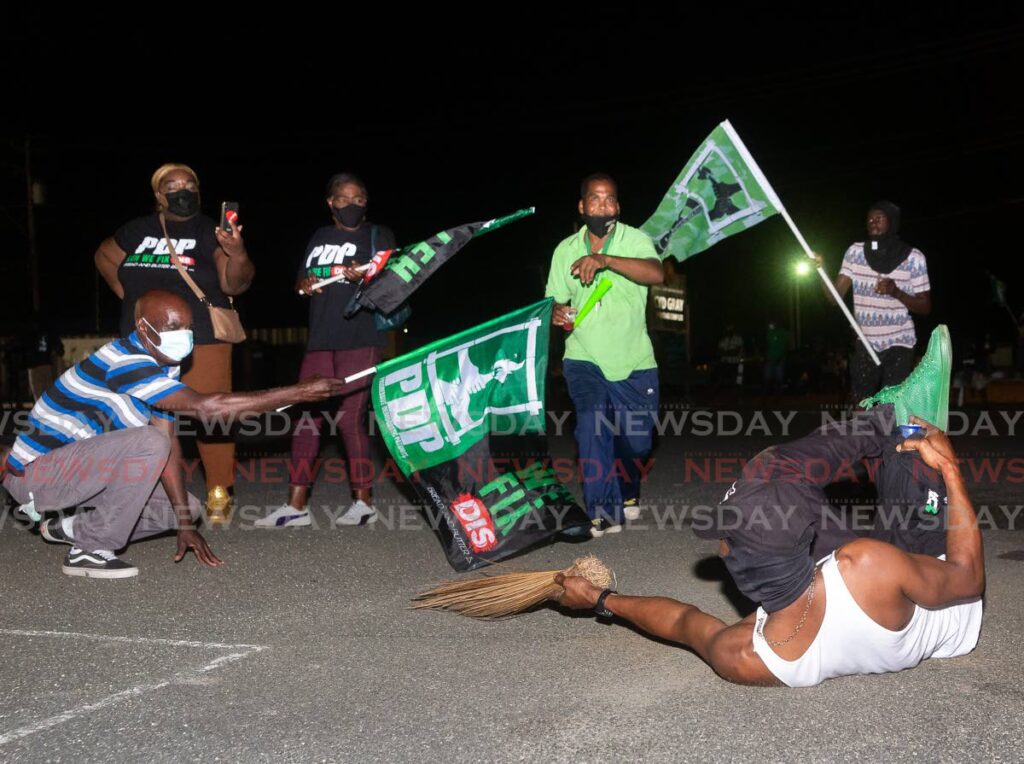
<point>176,345</point>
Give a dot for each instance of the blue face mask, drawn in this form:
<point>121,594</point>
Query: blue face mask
<point>176,344</point>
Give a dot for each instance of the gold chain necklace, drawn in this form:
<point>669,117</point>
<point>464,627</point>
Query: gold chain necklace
<point>807,609</point>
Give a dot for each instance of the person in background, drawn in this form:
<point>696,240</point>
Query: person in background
<point>609,363</point>
<point>136,260</point>
<point>730,358</point>
<point>890,282</point>
<point>337,347</point>
<point>776,343</point>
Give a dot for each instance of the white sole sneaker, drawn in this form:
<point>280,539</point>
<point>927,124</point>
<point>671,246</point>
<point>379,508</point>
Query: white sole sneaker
<point>94,573</point>
<point>631,512</point>
<point>597,531</point>
<point>285,517</point>
<point>358,513</point>
<point>100,564</point>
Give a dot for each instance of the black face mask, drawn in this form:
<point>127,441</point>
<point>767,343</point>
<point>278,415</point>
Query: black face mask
<point>183,203</point>
<point>350,216</point>
<point>600,225</point>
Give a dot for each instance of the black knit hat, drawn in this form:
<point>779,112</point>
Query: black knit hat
<point>341,179</point>
<point>891,211</point>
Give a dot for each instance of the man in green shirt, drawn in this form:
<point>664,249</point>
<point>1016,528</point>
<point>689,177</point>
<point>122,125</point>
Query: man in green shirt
<point>609,362</point>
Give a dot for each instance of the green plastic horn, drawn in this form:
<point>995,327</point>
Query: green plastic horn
<point>599,291</point>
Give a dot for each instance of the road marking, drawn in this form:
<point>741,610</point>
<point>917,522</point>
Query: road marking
<point>133,692</point>
<point>133,640</point>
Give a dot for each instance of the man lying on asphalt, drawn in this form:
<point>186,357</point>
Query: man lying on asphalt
<point>871,605</point>
<point>103,436</point>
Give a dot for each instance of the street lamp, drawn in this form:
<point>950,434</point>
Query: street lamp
<point>800,269</point>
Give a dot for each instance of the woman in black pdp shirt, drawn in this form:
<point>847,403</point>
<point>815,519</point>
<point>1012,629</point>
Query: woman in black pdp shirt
<point>136,260</point>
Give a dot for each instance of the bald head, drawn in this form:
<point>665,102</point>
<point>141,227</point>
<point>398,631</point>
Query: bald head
<point>159,311</point>
<point>164,310</point>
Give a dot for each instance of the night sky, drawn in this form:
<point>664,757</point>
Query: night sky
<point>452,120</point>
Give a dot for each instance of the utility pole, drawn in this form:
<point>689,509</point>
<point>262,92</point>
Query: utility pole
<point>33,255</point>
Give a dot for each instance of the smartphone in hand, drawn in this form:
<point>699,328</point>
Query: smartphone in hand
<point>228,216</point>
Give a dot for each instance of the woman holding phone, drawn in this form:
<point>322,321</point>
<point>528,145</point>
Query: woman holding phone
<point>137,259</point>
<point>338,347</point>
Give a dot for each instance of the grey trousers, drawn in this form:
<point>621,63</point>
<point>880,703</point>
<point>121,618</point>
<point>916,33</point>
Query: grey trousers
<point>118,473</point>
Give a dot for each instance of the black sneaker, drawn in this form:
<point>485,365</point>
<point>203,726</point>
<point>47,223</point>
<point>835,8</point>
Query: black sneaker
<point>98,564</point>
<point>600,527</point>
<point>53,531</point>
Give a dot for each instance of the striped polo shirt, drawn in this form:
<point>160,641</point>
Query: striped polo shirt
<point>113,389</point>
<point>885,320</point>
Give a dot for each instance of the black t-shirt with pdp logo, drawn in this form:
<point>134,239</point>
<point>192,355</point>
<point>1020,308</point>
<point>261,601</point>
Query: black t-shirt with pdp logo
<point>147,265</point>
<point>330,249</point>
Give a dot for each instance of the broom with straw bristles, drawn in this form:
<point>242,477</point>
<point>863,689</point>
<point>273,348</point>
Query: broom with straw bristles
<point>507,594</point>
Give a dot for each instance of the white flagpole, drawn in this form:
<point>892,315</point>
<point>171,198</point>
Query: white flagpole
<point>332,279</point>
<point>361,374</point>
<point>349,378</point>
<point>774,198</point>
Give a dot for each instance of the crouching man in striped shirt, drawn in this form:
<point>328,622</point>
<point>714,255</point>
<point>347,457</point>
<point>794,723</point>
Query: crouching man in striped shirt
<point>103,436</point>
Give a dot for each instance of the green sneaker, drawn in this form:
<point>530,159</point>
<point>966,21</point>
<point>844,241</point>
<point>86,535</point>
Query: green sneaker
<point>925,393</point>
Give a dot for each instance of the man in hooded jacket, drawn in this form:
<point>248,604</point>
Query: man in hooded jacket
<point>890,282</point>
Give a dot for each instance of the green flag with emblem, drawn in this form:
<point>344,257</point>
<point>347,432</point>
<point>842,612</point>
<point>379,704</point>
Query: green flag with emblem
<point>437,408</point>
<point>435,403</point>
<point>720,192</point>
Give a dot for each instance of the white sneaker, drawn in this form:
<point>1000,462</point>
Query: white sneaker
<point>358,513</point>
<point>631,509</point>
<point>285,517</point>
<point>98,564</point>
<point>598,528</point>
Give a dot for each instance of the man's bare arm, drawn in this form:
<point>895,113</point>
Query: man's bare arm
<point>727,649</point>
<point>929,581</point>
<point>962,575</point>
<point>920,303</point>
<point>842,283</point>
<point>643,270</point>
<point>213,405</point>
<point>172,479</point>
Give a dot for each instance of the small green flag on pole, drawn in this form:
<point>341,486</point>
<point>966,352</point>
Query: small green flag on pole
<point>721,191</point>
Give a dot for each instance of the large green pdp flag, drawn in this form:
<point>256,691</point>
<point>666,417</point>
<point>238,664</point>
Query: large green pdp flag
<point>436,402</point>
<point>721,191</point>
<point>436,407</point>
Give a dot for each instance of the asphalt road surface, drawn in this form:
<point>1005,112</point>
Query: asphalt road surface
<point>302,649</point>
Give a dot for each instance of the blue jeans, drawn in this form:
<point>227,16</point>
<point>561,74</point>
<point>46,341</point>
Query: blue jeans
<point>614,427</point>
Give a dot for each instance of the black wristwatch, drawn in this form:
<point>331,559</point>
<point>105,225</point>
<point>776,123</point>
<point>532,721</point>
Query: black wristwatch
<point>599,608</point>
